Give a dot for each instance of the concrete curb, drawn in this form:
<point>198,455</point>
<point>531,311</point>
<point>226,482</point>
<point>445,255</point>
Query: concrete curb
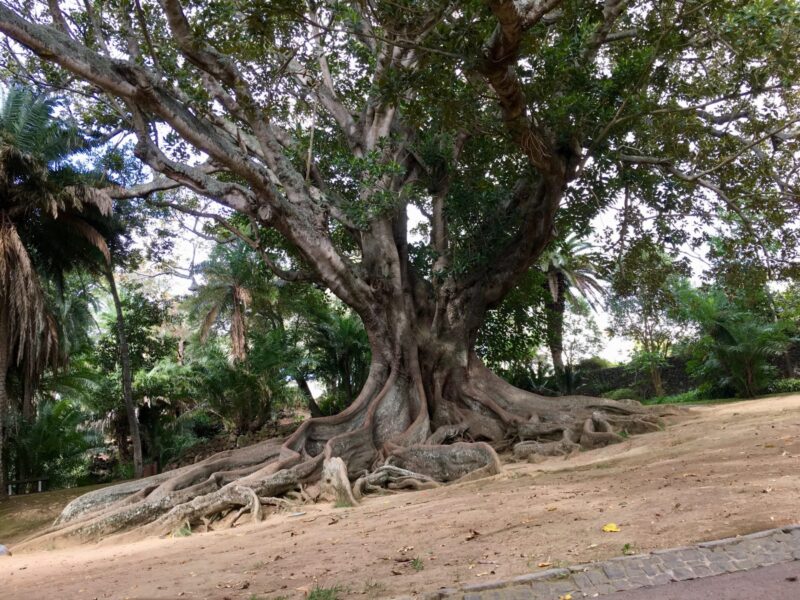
<point>592,580</point>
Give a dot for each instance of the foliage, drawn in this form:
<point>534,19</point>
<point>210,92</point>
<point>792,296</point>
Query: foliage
<point>688,397</point>
<point>339,351</point>
<point>594,363</point>
<point>54,445</point>
<point>512,333</point>
<point>148,342</point>
<point>789,385</point>
<point>641,305</point>
<point>234,278</point>
<point>736,348</point>
<point>622,394</point>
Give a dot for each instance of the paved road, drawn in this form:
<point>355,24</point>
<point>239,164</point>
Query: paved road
<point>778,582</point>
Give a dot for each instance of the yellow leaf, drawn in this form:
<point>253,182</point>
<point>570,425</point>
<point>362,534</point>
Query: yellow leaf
<point>565,597</point>
<point>611,528</point>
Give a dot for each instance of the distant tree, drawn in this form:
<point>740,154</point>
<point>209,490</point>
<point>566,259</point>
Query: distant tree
<point>641,303</point>
<point>571,266</point>
<point>736,349</point>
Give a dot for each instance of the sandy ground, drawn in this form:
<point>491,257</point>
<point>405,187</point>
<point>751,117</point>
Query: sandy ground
<point>719,471</point>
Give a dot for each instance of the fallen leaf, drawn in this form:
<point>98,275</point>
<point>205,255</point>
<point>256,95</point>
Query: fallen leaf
<point>611,528</point>
<point>565,597</point>
<point>472,534</point>
<point>551,508</point>
<point>545,564</point>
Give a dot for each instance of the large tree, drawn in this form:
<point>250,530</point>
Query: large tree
<point>325,121</point>
<point>50,221</point>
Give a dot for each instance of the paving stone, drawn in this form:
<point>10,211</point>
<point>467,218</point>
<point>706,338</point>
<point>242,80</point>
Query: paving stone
<point>614,570</point>
<point>701,571</point>
<point>716,568</point>
<point>597,577</point>
<point>682,574</point>
<point>652,568</point>
<point>660,579</point>
<point>541,575</point>
<point>737,552</point>
<point>621,585</point>
<point>671,562</point>
<point>485,585</point>
<point>690,555</point>
<point>582,581</point>
<point>669,550</point>
<point>563,586</point>
<point>632,572</point>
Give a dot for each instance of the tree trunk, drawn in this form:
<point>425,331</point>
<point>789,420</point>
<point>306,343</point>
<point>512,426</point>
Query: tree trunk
<point>311,403</point>
<point>5,360</point>
<point>127,386</point>
<point>426,389</point>
<point>555,307</point>
<point>655,378</point>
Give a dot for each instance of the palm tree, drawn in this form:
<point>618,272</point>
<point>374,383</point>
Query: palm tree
<point>571,269</point>
<point>49,219</point>
<point>234,277</point>
<point>340,349</point>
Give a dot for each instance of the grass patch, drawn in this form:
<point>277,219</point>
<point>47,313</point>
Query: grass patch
<point>417,564</point>
<point>23,515</point>
<point>323,593</point>
<point>373,589</point>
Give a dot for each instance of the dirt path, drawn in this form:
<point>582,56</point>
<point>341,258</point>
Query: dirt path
<point>720,471</point>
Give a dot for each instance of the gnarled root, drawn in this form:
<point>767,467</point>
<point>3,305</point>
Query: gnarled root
<point>336,483</point>
<point>389,477</point>
<point>396,435</point>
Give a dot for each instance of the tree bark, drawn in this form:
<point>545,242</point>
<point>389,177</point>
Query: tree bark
<point>127,377</point>
<point>5,352</point>
<point>555,307</point>
<point>655,378</point>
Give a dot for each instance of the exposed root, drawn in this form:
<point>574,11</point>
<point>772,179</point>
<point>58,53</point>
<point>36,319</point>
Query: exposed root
<point>397,435</point>
<point>389,477</point>
<point>336,483</point>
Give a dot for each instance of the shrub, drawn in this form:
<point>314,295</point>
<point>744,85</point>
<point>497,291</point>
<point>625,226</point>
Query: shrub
<point>690,396</point>
<point>594,363</point>
<point>785,386</point>
<point>622,394</point>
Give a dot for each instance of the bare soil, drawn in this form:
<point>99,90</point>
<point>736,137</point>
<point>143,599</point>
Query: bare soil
<point>718,471</point>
